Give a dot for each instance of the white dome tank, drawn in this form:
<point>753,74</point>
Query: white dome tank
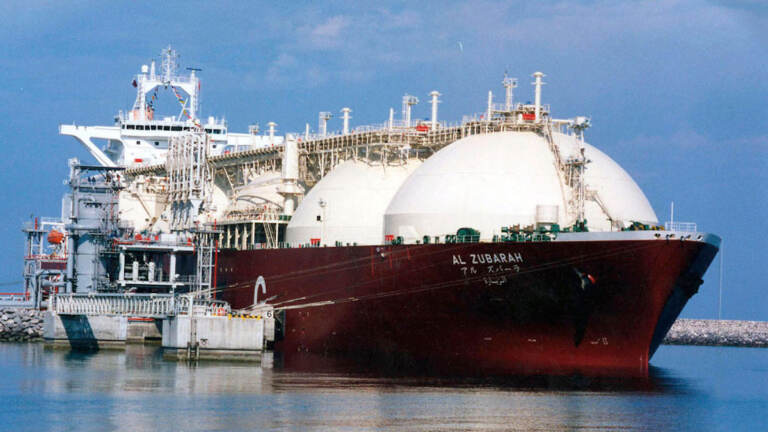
<point>501,179</point>
<point>355,196</point>
<point>483,182</point>
<point>263,190</point>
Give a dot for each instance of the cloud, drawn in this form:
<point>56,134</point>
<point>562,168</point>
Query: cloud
<point>281,67</point>
<point>329,33</point>
<point>359,44</point>
<point>351,46</point>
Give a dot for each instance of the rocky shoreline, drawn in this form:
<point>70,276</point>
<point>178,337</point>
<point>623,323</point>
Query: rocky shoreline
<point>20,325</point>
<point>718,333</point>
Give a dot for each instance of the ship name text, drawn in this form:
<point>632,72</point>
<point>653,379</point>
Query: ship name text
<point>487,258</point>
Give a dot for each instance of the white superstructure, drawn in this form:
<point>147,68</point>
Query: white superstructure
<point>141,136</point>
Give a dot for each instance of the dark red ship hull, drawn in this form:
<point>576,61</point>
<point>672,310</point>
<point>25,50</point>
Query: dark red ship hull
<point>590,307</point>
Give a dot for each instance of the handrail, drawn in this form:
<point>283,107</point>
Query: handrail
<point>681,226</point>
<point>139,305</point>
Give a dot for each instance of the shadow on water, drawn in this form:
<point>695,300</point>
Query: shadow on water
<point>76,355</point>
<point>324,372</point>
<point>142,367</point>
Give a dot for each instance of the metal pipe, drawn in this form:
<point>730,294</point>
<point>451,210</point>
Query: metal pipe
<point>323,122</point>
<point>121,274</point>
<point>509,86</point>
<point>490,106</point>
<point>435,94</point>
<point>538,84</point>
<point>345,115</point>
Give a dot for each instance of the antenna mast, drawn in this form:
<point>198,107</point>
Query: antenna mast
<point>408,102</point>
<point>509,85</point>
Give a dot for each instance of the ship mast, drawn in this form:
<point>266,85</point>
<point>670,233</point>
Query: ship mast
<point>148,80</point>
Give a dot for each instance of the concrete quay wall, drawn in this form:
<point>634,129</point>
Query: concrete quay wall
<point>718,333</point>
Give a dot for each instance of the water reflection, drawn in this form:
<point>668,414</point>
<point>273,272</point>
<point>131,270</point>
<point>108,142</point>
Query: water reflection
<point>135,389</point>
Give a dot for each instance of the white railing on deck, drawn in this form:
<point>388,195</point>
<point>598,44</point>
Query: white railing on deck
<point>15,300</point>
<point>680,226</point>
<point>138,305</point>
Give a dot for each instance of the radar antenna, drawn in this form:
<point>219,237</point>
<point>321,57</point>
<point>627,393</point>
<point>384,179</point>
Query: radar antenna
<point>170,64</point>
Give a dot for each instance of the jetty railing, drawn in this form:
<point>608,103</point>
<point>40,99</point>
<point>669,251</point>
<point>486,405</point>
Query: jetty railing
<point>22,300</point>
<point>136,305</point>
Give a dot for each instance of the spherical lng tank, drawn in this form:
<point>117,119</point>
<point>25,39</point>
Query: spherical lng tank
<point>354,196</point>
<point>501,179</point>
<point>261,192</point>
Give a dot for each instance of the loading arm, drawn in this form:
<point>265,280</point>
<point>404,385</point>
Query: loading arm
<point>592,195</point>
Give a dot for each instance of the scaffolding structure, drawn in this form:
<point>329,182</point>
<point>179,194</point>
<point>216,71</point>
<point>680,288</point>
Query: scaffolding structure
<point>189,179</point>
<point>206,245</point>
<point>91,222</point>
<point>45,260</point>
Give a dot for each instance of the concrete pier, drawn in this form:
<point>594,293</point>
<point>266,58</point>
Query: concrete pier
<point>85,331</point>
<point>213,337</point>
<point>98,331</point>
<point>144,330</point>
<point>718,333</point>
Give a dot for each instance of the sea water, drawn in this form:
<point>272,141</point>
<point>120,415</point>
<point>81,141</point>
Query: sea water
<point>689,388</point>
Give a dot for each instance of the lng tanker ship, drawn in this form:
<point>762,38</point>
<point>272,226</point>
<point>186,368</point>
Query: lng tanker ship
<point>454,288</point>
<point>504,243</point>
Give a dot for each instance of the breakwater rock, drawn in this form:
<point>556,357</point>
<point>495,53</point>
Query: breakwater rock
<point>19,324</point>
<point>718,332</point>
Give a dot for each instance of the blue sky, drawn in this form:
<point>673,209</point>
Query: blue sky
<point>676,90</point>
